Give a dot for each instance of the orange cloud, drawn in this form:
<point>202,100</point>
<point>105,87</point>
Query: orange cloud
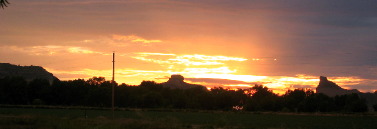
<point>212,58</point>
<point>50,50</point>
<point>188,60</point>
<point>203,71</point>
<point>35,50</point>
<point>158,54</point>
<point>134,38</point>
<point>83,51</point>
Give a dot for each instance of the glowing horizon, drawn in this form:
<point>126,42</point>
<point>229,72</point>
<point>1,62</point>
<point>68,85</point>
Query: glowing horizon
<point>219,77</point>
<point>282,45</point>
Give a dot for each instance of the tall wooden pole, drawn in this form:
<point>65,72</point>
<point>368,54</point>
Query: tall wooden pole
<point>113,85</point>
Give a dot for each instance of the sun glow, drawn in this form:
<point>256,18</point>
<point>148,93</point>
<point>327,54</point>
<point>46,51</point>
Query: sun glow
<point>245,78</point>
<point>211,71</point>
<point>279,84</point>
<point>187,60</point>
<point>208,70</point>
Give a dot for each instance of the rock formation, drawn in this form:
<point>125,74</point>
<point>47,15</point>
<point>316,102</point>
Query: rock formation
<point>331,89</point>
<point>28,72</point>
<point>177,81</point>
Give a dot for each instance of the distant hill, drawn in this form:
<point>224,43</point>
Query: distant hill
<point>177,82</point>
<point>331,89</point>
<point>28,72</point>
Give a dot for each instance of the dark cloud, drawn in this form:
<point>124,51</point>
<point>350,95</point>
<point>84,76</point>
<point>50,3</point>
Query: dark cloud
<point>344,21</point>
<point>329,37</point>
<point>365,86</point>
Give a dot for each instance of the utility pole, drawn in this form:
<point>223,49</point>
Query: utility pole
<point>113,85</point>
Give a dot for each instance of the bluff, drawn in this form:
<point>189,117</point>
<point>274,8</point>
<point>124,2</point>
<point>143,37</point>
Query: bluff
<point>331,89</point>
<point>177,82</point>
<point>28,72</point>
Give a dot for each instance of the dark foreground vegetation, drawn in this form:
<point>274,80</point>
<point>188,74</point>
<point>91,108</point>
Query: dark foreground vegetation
<point>30,118</point>
<point>96,92</point>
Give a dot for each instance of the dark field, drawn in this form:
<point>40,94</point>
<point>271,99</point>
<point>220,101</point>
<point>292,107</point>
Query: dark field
<point>31,118</point>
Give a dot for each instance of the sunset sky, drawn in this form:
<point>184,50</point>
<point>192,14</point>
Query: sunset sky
<point>229,43</point>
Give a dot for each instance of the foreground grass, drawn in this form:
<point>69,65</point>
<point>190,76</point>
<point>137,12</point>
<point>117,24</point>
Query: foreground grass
<point>29,118</point>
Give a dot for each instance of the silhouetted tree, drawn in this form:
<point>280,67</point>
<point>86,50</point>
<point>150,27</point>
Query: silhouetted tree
<point>152,85</point>
<point>317,103</point>
<point>72,92</point>
<point>96,92</point>
<point>178,98</point>
<point>225,99</point>
<point>13,90</point>
<point>375,107</point>
<point>350,103</point>
<point>294,99</point>
<point>262,99</point>
<point>39,90</point>
<point>3,3</point>
<point>96,81</point>
<point>192,96</point>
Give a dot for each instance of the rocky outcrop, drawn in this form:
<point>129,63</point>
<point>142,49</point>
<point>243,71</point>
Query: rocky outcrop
<point>28,72</point>
<point>177,81</point>
<point>331,89</point>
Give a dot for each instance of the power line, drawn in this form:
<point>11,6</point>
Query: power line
<point>113,84</point>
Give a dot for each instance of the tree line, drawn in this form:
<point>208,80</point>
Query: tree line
<point>96,92</point>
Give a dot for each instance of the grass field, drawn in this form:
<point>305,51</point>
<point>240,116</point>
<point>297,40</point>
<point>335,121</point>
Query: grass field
<point>32,118</point>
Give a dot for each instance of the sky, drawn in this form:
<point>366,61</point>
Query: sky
<point>229,43</point>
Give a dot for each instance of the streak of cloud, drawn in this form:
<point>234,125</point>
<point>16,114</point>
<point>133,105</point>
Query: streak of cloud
<point>196,59</point>
<point>134,38</point>
<point>50,50</point>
